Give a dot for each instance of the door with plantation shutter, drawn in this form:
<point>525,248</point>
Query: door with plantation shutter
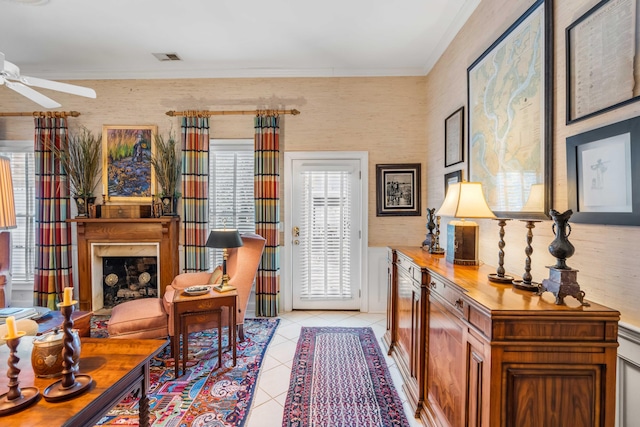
<point>326,234</point>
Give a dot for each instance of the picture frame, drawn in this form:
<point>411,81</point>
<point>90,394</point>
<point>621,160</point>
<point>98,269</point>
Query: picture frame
<point>602,185</point>
<point>398,189</point>
<point>510,126</point>
<point>453,138</point>
<point>609,57</point>
<point>451,178</point>
<point>127,174</point>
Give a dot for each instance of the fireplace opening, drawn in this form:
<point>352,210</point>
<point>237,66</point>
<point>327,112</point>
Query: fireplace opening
<point>125,278</point>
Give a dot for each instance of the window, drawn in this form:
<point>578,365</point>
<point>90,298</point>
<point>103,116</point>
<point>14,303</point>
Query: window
<point>231,197</point>
<point>22,238</point>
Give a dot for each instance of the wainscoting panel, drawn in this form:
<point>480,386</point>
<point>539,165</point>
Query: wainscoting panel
<point>628,413</point>
<point>378,277</point>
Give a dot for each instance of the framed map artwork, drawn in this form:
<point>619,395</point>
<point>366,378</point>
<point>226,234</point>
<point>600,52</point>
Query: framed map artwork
<point>511,115</point>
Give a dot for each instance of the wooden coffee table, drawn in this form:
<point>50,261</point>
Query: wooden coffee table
<point>193,310</point>
<point>117,366</point>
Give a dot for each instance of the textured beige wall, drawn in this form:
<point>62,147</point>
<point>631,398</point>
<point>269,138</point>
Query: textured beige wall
<point>384,116</point>
<point>605,255</point>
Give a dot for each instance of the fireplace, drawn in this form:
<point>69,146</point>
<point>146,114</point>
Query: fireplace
<point>123,272</point>
<point>142,238</point>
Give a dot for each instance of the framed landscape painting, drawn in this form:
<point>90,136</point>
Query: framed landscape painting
<point>127,175</point>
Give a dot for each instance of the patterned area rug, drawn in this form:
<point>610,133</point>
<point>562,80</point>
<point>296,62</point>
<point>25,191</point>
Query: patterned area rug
<point>204,396</point>
<point>340,379</point>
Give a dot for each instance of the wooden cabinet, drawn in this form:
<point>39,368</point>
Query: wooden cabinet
<point>475,353</point>
<point>410,347</point>
<point>389,337</point>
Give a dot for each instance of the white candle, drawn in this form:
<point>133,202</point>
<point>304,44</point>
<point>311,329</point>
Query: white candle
<point>12,328</point>
<point>68,296</point>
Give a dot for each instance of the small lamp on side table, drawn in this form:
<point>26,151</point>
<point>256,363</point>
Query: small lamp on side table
<point>224,239</point>
<point>7,221</point>
<point>464,200</point>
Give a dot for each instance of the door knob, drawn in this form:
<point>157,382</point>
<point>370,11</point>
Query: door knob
<point>296,231</point>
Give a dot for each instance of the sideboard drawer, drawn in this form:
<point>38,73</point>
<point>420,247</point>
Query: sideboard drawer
<point>447,292</point>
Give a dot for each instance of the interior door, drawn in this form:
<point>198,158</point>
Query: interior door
<point>325,234</point>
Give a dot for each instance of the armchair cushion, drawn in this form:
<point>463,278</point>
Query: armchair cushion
<point>142,318</point>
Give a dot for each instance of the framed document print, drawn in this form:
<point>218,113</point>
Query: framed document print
<point>453,137</point>
<point>602,46</point>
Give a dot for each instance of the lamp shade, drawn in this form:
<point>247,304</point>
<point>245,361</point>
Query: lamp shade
<point>535,202</point>
<point>7,203</point>
<point>465,200</point>
<point>224,238</point>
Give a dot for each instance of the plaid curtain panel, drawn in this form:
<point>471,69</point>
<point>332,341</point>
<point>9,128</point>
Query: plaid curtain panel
<point>267,195</point>
<point>53,264</point>
<point>195,192</point>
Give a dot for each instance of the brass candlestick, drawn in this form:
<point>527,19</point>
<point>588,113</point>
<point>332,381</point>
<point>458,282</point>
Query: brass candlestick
<point>70,385</point>
<point>526,283</point>
<point>499,275</point>
<point>16,399</point>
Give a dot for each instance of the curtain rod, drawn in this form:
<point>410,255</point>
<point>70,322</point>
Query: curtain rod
<point>42,114</point>
<point>206,113</point>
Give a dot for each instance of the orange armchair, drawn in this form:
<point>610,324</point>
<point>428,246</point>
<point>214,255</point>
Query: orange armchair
<point>153,318</point>
<point>242,266</point>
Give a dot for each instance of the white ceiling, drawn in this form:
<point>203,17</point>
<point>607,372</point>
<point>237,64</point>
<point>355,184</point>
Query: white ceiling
<point>108,39</point>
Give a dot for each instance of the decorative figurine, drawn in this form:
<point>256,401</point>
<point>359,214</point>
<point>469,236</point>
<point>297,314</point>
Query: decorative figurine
<point>526,283</point>
<point>499,275</point>
<point>430,238</point>
<point>562,279</point>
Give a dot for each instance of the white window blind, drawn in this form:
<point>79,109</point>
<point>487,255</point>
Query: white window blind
<point>325,251</point>
<point>231,195</point>
<point>23,237</point>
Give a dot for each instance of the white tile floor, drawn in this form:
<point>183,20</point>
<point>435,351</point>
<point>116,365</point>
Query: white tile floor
<point>271,390</point>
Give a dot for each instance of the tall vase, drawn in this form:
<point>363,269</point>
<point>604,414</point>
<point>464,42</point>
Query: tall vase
<point>82,204</point>
<point>561,248</point>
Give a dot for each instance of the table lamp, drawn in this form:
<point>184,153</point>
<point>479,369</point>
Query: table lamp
<point>7,221</point>
<point>224,239</point>
<point>464,200</point>
<point>535,202</point>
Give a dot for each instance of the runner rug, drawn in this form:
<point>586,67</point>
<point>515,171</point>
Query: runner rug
<point>340,379</point>
<point>205,396</point>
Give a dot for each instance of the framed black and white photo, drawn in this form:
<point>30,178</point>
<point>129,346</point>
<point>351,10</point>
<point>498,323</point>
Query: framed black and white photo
<point>451,178</point>
<point>398,190</point>
<point>453,138</point>
<point>603,188</point>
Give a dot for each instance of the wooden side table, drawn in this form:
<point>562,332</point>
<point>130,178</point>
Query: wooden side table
<point>193,310</point>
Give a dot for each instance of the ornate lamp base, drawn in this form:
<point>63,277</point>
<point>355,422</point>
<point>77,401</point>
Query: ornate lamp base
<point>562,283</point>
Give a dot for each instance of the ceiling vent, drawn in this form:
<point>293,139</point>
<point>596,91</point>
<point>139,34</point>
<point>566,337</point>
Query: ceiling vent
<point>167,56</point>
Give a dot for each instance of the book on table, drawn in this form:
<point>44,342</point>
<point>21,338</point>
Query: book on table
<point>17,312</point>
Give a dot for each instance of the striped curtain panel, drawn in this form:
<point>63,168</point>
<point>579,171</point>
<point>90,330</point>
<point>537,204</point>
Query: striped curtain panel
<point>53,264</point>
<point>195,192</point>
<point>267,194</point>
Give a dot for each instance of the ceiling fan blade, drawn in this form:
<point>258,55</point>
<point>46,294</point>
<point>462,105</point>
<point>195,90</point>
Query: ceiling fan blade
<point>36,97</point>
<point>60,87</point>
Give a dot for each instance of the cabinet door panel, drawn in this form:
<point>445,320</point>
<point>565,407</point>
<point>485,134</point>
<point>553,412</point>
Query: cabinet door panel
<point>446,370</point>
<point>568,396</point>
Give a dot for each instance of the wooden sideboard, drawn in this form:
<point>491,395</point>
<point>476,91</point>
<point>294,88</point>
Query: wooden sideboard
<point>163,230</point>
<point>476,353</point>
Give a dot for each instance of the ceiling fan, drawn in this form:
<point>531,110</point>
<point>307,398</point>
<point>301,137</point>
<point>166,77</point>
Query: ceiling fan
<point>11,78</point>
